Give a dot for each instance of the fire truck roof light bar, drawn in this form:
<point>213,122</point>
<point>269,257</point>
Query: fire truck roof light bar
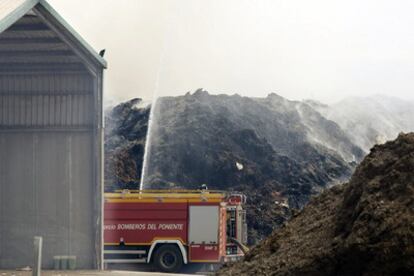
<point>166,195</point>
<point>176,191</point>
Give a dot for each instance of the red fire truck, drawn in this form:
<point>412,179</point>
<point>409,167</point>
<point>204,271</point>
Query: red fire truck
<point>170,228</point>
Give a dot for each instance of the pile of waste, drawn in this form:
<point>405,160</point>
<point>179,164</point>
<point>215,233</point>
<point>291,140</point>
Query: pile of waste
<point>364,227</point>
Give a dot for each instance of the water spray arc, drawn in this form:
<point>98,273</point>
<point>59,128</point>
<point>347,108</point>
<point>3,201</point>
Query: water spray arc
<point>148,139</point>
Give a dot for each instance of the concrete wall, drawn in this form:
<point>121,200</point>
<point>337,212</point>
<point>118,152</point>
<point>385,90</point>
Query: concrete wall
<point>49,182</point>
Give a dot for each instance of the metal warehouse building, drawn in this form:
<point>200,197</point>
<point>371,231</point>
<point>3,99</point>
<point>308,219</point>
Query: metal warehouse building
<point>50,138</point>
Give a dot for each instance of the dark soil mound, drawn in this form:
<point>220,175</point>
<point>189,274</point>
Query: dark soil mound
<point>278,152</point>
<point>364,227</point>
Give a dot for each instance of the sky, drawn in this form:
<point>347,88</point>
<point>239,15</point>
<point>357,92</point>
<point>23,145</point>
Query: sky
<point>321,49</point>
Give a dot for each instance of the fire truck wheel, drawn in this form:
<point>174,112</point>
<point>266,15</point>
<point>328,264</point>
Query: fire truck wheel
<point>168,258</point>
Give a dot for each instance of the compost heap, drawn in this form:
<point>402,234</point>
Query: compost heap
<point>364,227</point>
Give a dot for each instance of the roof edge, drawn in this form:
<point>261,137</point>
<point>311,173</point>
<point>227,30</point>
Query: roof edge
<point>15,15</point>
<point>72,31</point>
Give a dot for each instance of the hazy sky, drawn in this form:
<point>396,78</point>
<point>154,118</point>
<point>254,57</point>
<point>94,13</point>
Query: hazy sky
<point>324,50</point>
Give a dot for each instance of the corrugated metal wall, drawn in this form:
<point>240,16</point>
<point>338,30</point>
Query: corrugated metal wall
<point>60,100</point>
<point>46,167</point>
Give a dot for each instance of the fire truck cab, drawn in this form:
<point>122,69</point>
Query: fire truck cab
<point>171,228</point>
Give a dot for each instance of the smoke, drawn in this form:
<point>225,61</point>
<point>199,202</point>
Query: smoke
<point>371,120</point>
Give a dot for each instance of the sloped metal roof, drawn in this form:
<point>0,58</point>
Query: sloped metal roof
<point>13,10</point>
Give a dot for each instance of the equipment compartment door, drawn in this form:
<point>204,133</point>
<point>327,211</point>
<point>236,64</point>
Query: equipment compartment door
<point>204,225</point>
